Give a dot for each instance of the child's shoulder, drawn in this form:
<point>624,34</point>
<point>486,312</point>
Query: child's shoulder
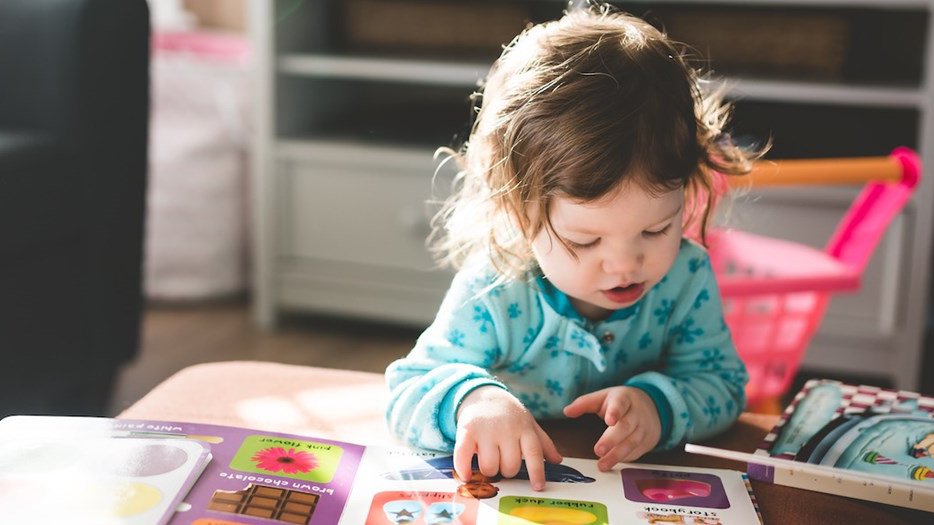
<point>479,278</point>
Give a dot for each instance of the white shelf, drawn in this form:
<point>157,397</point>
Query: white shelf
<point>827,93</point>
<point>374,155</point>
<point>461,74</point>
<point>468,74</point>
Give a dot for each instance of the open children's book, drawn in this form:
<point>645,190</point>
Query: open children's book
<point>111,471</point>
<point>857,441</point>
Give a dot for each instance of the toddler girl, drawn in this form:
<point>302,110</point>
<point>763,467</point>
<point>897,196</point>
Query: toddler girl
<point>593,149</point>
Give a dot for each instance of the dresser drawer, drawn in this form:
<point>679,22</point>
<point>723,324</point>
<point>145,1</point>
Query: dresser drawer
<point>359,204</point>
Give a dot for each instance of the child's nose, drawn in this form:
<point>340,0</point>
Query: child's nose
<point>623,262</point>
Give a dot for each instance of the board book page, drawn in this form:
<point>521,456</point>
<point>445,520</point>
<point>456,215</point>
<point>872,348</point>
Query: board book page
<point>153,472</point>
<point>79,471</point>
<point>417,487</point>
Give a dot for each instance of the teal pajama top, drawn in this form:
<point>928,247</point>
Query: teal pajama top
<point>526,337</point>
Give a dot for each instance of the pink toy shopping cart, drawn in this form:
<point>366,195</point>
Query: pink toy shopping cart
<point>775,292</point>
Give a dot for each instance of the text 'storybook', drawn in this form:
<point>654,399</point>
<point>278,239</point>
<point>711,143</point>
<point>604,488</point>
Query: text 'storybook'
<point>857,441</point>
<point>111,471</point>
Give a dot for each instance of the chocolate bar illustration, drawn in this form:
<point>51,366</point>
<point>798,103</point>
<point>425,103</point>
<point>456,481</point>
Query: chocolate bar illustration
<point>290,506</point>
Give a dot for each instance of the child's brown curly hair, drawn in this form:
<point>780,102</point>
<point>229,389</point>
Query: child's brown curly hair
<point>572,108</point>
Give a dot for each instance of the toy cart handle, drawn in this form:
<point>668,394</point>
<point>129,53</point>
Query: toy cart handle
<point>865,222</point>
<point>796,172</point>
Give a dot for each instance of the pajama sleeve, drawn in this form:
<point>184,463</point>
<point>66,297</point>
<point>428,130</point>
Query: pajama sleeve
<point>701,377</point>
<point>451,358</point>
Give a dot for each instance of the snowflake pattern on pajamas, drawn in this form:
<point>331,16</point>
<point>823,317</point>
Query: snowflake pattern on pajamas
<point>526,337</point>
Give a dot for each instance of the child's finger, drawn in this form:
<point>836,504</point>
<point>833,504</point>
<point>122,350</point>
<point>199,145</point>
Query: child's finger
<point>510,459</point>
<point>613,435</point>
<point>586,404</point>
<point>534,460</point>
<point>463,455</point>
<point>548,446</point>
<point>610,460</point>
<point>488,458</point>
<point>626,450</point>
<point>616,407</point>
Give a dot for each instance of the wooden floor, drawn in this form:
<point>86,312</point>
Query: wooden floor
<point>176,336</point>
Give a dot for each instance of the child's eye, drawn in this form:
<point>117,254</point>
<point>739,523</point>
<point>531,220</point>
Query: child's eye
<point>582,246</point>
<point>657,233</point>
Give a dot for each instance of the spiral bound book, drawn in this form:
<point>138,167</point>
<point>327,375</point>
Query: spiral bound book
<point>857,441</point>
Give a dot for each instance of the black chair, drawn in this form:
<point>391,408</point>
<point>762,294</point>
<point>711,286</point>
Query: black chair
<point>74,111</point>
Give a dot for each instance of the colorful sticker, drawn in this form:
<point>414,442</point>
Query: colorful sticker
<point>685,489</point>
<point>522,510</point>
<point>421,508</point>
<point>290,506</point>
<point>290,458</point>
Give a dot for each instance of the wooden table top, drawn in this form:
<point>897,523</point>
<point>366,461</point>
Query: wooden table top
<point>349,406</point>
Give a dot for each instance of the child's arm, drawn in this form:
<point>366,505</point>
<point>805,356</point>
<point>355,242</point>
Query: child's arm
<point>443,395</point>
<point>700,388</point>
<point>426,389</point>
<point>454,356</point>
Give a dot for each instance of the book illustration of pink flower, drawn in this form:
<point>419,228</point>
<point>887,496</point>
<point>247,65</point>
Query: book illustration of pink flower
<point>276,459</point>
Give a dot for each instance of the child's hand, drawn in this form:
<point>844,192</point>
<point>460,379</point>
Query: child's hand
<point>630,414</point>
<point>493,424</point>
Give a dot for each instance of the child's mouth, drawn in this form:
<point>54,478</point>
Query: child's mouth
<point>624,294</point>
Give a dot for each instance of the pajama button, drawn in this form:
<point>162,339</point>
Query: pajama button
<point>608,337</point>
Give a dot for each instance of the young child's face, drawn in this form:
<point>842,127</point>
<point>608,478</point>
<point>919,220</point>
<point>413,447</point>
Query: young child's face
<point>625,243</point>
